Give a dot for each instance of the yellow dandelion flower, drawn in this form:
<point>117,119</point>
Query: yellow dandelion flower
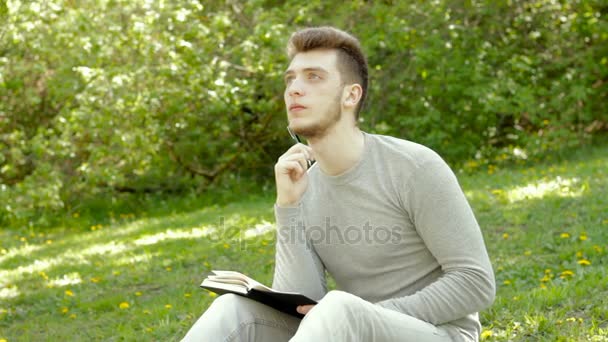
<point>543,286</point>
<point>147,312</point>
<point>76,215</point>
<point>264,243</point>
<point>64,310</point>
<point>69,293</point>
<point>584,262</point>
<point>138,293</point>
<point>515,298</point>
<point>583,237</point>
<point>207,264</point>
<point>95,279</point>
<point>187,295</point>
<point>486,333</point>
<point>3,340</point>
<point>548,270</point>
<point>546,278</point>
<point>49,242</point>
<point>579,254</point>
<point>528,253</point>
<point>226,246</point>
<point>505,236</point>
<point>564,235</point>
<point>123,305</point>
<point>597,249</point>
<point>73,316</point>
<point>149,329</point>
<point>565,274</point>
<point>212,294</point>
<point>168,306</point>
<point>570,319</point>
<point>507,282</point>
<point>44,276</point>
<point>168,269</point>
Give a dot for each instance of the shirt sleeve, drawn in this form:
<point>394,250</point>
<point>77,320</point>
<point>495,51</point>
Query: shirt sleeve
<point>445,221</point>
<point>298,268</point>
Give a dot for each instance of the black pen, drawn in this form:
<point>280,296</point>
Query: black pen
<point>296,138</point>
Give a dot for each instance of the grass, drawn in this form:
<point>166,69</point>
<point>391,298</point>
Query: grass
<point>134,276</point>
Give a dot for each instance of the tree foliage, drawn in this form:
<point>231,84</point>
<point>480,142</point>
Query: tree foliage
<point>101,96</point>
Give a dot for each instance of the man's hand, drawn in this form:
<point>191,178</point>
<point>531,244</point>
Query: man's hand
<point>303,309</point>
<point>290,174</point>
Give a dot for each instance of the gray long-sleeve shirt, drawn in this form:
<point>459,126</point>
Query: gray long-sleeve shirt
<point>395,230</point>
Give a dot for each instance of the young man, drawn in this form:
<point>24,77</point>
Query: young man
<point>384,216</point>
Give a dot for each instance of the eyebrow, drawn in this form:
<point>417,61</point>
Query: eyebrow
<point>290,71</point>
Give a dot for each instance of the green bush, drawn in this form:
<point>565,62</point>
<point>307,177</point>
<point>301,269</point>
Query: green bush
<point>106,96</point>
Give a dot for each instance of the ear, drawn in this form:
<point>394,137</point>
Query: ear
<point>352,95</point>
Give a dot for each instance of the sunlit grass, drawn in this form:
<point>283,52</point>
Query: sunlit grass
<point>555,187</point>
<point>135,277</point>
<point>546,227</point>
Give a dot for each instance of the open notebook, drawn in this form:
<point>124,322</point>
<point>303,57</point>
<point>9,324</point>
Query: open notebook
<point>234,282</point>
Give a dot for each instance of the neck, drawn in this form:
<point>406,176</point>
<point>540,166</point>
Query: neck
<point>338,150</point>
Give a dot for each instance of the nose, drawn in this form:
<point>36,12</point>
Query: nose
<point>294,88</point>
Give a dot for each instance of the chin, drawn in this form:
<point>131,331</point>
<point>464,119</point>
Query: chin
<point>297,126</point>
<point>307,131</point>
<point>299,130</point>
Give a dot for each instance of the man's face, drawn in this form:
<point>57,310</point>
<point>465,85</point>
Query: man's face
<point>313,93</point>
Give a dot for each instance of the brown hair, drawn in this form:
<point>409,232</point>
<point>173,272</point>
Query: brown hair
<point>351,61</point>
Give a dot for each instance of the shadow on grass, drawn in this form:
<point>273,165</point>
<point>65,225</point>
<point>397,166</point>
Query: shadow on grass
<point>120,237</point>
<point>80,277</point>
<point>146,263</point>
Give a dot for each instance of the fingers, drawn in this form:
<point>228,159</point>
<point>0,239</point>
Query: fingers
<point>300,148</point>
<point>300,153</point>
<point>301,158</point>
<point>291,167</point>
<point>303,309</point>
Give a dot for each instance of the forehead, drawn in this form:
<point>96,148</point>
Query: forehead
<point>325,59</point>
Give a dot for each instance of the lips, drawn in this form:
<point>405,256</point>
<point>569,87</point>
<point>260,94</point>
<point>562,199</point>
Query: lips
<point>296,107</point>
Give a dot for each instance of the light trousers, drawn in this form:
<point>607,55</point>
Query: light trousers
<point>339,316</point>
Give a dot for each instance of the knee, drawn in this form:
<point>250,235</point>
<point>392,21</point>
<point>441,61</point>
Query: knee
<point>227,300</point>
<point>339,299</point>
<point>230,307</point>
<point>337,304</point>
<point>338,307</point>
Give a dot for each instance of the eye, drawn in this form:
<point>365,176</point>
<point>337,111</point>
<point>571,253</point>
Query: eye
<point>313,76</point>
<point>288,79</point>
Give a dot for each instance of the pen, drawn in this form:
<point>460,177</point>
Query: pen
<point>296,138</point>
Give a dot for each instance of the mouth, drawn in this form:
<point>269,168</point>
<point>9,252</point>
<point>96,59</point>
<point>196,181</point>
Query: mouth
<point>296,108</point>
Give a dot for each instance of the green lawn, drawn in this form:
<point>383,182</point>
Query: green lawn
<point>132,275</point>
